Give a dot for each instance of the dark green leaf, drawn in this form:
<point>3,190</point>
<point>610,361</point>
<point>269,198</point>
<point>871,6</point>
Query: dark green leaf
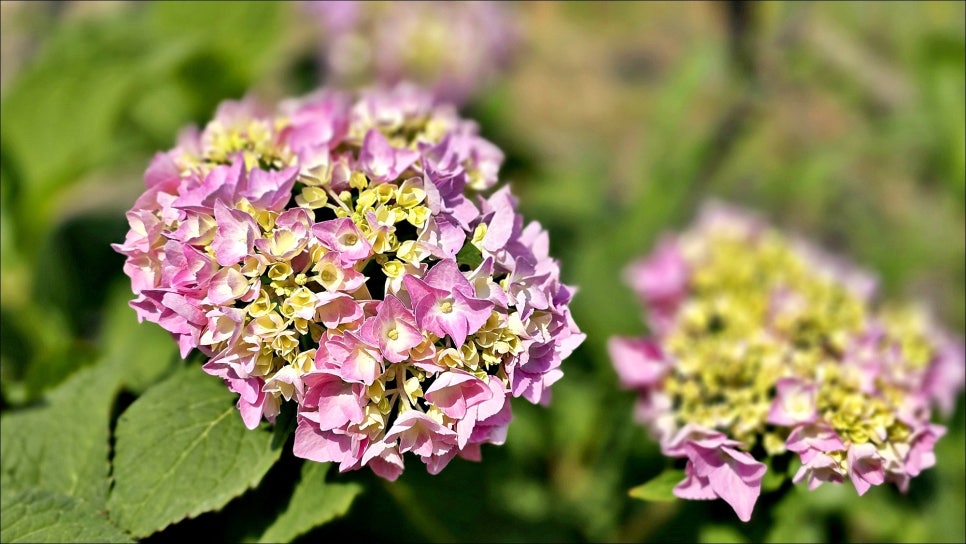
<point>313,503</point>
<point>469,255</point>
<point>772,479</point>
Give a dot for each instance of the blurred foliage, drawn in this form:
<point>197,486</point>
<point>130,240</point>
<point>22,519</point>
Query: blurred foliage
<point>844,122</point>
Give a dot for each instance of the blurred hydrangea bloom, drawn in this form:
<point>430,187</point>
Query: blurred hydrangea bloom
<point>762,345</point>
<point>454,48</point>
<point>329,253</point>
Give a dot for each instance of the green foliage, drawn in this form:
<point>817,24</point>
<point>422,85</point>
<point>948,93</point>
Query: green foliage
<point>469,255</point>
<point>56,140</point>
<point>44,516</point>
<point>245,40</point>
<point>773,479</point>
<point>63,118</point>
<point>183,450</point>
<point>61,445</point>
<point>313,503</point>
<point>721,534</point>
<point>660,488</point>
<point>617,120</point>
<point>141,353</point>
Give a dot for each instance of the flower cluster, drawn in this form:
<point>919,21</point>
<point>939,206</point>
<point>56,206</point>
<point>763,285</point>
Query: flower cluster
<point>763,345</point>
<point>454,48</point>
<point>327,254</point>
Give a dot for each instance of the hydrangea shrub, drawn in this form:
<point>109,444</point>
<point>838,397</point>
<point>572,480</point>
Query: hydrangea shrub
<point>453,48</point>
<point>337,252</point>
<point>763,346</point>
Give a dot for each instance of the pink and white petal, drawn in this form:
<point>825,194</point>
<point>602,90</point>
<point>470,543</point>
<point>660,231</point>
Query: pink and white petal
<point>436,463</point>
<point>384,459</point>
<point>454,392</point>
<point>235,237</point>
<point>320,446</point>
<point>420,434</point>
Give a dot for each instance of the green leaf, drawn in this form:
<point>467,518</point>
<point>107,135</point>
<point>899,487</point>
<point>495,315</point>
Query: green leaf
<point>285,423</point>
<point>247,39</point>
<point>313,503</point>
<point>182,450</point>
<point>42,516</point>
<point>143,352</point>
<point>469,255</point>
<point>773,479</point>
<point>660,488</point>
<point>62,445</point>
<point>62,118</point>
<point>722,534</point>
<point>36,363</point>
<point>795,518</point>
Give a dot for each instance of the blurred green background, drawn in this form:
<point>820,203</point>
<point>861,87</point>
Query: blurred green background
<point>844,122</point>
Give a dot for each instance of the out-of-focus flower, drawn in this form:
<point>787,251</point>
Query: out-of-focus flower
<point>764,346</point>
<point>454,48</point>
<point>716,468</point>
<point>332,253</point>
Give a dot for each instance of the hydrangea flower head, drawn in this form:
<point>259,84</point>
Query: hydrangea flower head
<point>336,253</point>
<point>763,346</point>
<point>454,48</point>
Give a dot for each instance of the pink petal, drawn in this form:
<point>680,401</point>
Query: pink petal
<point>235,237</point>
<point>343,236</point>
<point>421,435</point>
<point>736,491</point>
<point>454,392</point>
<point>446,275</point>
<point>270,190</point>
<point>338,404</point>
<point>639,362</point>
<point>321,446</point>
<point>226,286</point>
<point>384,459</point>
<point>865,467</point>
<point>694,487</point>
<point>382,162</point>
<point>500,226</point>
<point>336,309</point>
<point>794,403</point>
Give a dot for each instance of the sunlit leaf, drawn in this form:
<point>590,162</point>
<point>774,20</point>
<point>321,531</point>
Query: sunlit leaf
<point>182,450</point>
<point>659,488</point>
<point>44,516</point>
<point>62,444</point>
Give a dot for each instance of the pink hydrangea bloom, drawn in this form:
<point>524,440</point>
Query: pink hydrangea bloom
<point>794,403</point>
<point>763,343</point>
<point>453,48</point>
<point>335,254</point>
<point>639,362</point>
<point>716,469</point>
